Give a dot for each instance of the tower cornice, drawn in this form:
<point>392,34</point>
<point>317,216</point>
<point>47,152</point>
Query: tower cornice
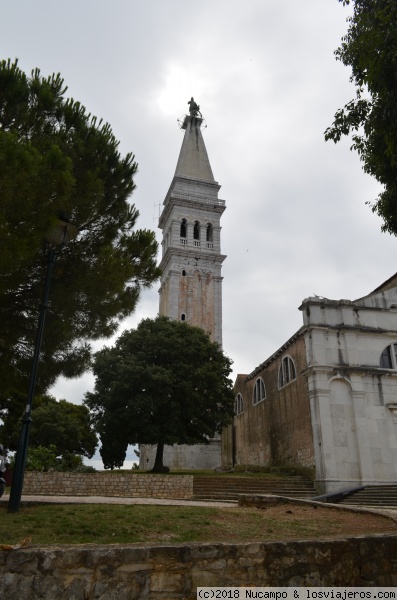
<point>196,183</point>
<point>190,254</point>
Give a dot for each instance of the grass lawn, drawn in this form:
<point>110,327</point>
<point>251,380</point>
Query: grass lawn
<point>149,524</point>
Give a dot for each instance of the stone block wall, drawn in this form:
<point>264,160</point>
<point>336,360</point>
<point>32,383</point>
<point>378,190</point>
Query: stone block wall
<point>126,485</point>
<point>175,571</point>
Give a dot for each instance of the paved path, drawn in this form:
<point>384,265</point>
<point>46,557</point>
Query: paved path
<point>170,502</point>
<point>117,500</point>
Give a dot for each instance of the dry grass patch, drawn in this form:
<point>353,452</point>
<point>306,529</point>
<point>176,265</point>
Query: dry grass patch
<point>293,521</point>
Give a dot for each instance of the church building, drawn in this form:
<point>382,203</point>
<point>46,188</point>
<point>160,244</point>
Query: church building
<point>326,400</point>
<point>191,281</point>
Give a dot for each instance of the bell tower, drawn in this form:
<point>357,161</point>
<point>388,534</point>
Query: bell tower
<point>191,281</point>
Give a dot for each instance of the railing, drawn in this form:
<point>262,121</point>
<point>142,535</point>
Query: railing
<point>196,244</point>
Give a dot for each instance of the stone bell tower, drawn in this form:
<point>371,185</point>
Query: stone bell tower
<point>191,281</point>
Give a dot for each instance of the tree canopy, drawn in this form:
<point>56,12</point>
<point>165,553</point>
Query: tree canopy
<point>56,159</point>
<point>162,383</point>
<point>46,458</point>
<point>370,49</point>
<point>61,425</point>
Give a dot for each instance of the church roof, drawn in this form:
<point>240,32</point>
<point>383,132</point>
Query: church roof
<point>193,162</point>
<point>386,285</point>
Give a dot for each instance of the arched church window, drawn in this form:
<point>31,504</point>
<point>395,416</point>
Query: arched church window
<point>259,392</point>
<point>183,233</point>
<point>196,230</point>
<point>238,404</point>
<point>183,273</point>
<point>388,358</point>
<point>183,317</point>
<point>287,372</point>
<point>210,233</point>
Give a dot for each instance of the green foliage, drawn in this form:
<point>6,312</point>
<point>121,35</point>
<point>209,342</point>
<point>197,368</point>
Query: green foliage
<point>57,159</point>
<point>12,409</point>
<point>41,458</point>
<point>370,49</point>
<point>61,425</point>
<point>45,458</point>
<point>163,383</point>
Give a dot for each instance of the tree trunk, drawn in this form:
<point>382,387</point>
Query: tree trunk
<point>158,462</point>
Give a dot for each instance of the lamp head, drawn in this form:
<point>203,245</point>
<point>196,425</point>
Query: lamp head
<point>61,231</point>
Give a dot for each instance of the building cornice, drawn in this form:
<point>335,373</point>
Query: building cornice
<point>354,328</point>
<point>349,370</point>
<point>353,304</point>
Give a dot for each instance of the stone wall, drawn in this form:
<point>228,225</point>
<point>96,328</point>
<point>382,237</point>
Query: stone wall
<point>276,431</point>
<point>126,485</point>
<point>182,456</point>
<point>137,572</point>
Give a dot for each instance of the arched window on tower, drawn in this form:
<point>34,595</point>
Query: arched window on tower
<point>183,232</point>
<point>210,236</point>
<point>196,233</point>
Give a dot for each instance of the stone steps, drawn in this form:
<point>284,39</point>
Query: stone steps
<point>380,496</point>
<point>229,488</point>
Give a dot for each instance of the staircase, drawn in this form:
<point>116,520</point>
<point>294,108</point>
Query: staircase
<point>374,496</point>
<point>228,488</point>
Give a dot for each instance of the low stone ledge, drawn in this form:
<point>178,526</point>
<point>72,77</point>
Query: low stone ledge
<point>128,485</point>
<point>119,572</point>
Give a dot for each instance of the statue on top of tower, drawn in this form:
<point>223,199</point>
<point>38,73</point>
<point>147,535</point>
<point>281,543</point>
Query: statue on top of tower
<point>194,108</point>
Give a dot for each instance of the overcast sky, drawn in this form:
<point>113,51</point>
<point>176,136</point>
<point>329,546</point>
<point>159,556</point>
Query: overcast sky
<point>265,76</point>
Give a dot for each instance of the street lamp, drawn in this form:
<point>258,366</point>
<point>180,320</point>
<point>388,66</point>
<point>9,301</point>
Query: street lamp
<point>58,235</point>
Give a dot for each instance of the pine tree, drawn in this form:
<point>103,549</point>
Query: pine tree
<point>58,160</point>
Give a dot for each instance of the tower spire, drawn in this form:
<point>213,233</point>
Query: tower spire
<point>193,162</point>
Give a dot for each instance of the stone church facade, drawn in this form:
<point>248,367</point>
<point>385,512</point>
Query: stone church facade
<point>327,399</point>
<point>191,281</point>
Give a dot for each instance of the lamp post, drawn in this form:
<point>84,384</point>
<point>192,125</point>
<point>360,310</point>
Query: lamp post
<point>59,234</point>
